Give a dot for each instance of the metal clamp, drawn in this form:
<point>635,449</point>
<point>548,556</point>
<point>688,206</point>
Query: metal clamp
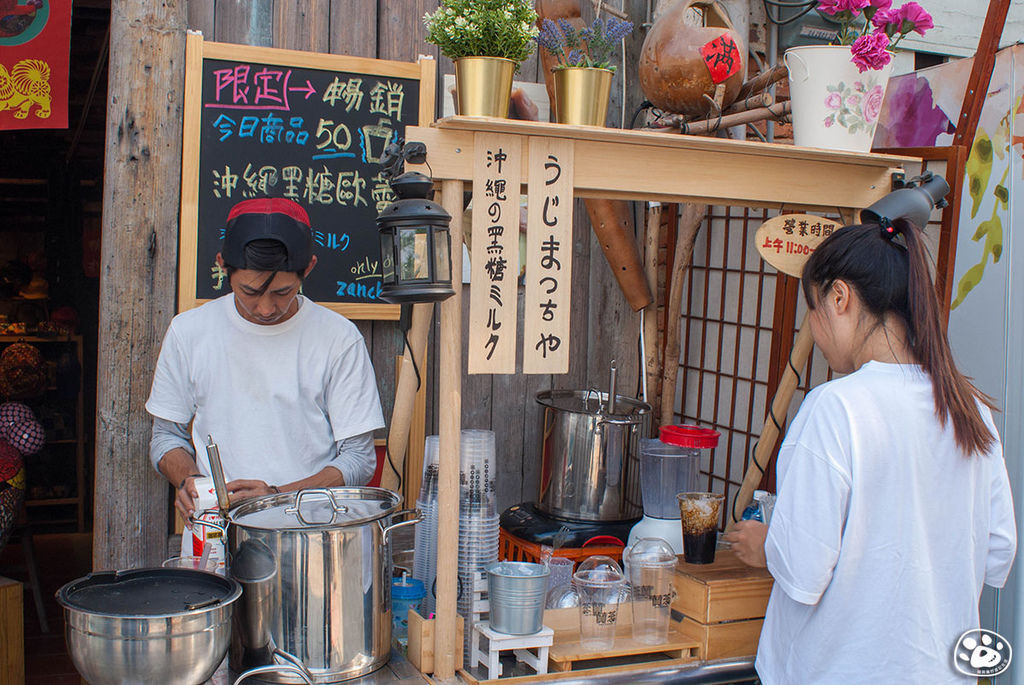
<point>336,508</point>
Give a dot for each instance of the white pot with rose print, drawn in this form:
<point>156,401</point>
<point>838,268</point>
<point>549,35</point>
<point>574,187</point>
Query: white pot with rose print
<point>837,90</point>
<point>835,106</point>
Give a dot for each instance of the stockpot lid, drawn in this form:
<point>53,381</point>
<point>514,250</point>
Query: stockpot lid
<point>148,592</point>
<point>591,402</point>
<point>316,508</point>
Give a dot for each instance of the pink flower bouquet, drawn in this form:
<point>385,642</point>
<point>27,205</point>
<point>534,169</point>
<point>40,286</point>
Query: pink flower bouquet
<point>883,27</point>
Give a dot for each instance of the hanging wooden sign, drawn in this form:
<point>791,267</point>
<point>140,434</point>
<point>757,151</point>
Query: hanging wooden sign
<point>548,256</point>
<point>786,241</point>
<point>493,300</point>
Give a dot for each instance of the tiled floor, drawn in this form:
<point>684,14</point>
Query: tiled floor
<point>60,558</point>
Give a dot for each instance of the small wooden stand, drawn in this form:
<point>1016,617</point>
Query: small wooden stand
<point>421,641</point>
<point>723,605</point>
<point>522,644</point>
<point>12,632</point>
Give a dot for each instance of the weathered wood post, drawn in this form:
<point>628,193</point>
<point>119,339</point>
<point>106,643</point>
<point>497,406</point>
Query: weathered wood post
<point>139,261</point>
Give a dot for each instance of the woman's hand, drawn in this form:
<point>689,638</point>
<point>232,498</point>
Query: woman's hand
<point>747,538</point>
<point>239,490</point>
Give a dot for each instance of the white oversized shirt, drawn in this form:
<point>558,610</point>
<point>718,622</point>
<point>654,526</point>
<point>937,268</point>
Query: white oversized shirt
<point>275,398</point>
<point>882,536</point>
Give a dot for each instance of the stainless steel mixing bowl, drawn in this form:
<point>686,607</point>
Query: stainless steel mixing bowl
<point>148,625</point>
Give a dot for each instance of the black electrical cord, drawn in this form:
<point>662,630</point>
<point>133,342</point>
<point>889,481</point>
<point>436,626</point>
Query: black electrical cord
<point>804,7</point>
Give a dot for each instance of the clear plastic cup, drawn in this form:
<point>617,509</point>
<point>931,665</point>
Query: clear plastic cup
<point>699,512</point>
<point>194,563</point>
<point>652,563</point>
<point>602,590</point>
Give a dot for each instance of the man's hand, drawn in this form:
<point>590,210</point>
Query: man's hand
<point>239,490</point>
<point>184,499</point>
<point>747,538</point>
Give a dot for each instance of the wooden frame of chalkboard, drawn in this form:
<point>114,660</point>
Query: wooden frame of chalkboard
<point>266,122</point>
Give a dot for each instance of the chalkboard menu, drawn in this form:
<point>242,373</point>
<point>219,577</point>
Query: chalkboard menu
<point>262,122</point>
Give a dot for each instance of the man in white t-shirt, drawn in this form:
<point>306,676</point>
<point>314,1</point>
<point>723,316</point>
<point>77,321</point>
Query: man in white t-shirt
<point>283,385</point>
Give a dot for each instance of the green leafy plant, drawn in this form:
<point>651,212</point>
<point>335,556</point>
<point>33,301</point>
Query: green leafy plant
<point>483,28</point>
<point>590,47</point>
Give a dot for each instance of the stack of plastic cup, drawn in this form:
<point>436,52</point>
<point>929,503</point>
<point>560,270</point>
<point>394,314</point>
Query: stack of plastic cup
<point>424,566</point>
<point>478,524</point>
<point>652,563</point>
<point>560,583</point>
<point>602,591</point>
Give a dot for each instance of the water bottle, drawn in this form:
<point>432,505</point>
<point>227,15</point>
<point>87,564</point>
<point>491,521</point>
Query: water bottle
<point>753,511</point>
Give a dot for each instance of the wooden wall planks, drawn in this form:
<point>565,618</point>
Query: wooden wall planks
<point>603,326</point>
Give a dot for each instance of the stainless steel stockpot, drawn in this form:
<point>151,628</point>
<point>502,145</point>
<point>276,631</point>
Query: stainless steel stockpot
<point>589,460</point>
<point>315,571</point>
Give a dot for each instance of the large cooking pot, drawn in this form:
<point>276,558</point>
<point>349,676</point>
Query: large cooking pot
<point>315,571</point>
<point>589,463</point>
<point>148,625</point>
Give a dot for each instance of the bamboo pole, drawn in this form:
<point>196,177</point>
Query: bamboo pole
<point>652,351</point>
<point>450,403</point>
<point>770,433</point>
<point>405,393</point>
<point>689,223</point>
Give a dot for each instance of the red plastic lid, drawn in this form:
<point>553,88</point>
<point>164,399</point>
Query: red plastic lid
<point>689,436</point>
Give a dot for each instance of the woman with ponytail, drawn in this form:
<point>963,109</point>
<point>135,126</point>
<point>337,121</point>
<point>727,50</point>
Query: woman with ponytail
<point>894,506</point>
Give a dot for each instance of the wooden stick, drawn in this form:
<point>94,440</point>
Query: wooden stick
<point>777,110</point>
<point>405,394</point>
<point>450,403</point>
<point>762,81</point>
<point>689,223</point>
<point>752,102</point>
<point>652,356</point>
<point>770,433</point>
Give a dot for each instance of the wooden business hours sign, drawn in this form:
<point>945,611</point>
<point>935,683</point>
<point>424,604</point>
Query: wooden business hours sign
<point>548,256</point>
<point>494,261</point>
<point>786,241</point>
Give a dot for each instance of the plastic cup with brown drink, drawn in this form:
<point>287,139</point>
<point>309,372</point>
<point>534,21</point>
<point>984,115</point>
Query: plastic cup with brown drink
<point>699,512</point>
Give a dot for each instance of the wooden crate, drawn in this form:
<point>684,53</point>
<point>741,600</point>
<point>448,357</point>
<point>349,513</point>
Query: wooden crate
<point>512,548</point>
<point>421,641</point>
<point>726,590</point>
<point>567,652</point>
<point>727,640</point>
<point>12,632</point>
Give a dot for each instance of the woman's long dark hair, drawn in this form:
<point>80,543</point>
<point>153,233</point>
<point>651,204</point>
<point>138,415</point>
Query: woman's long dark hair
<point>890,277</point>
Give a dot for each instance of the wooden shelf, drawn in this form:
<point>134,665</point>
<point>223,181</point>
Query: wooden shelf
<point>669,167</point>
<point>72,411</point>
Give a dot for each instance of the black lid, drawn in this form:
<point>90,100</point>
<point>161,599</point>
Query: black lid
<point>148,592</point>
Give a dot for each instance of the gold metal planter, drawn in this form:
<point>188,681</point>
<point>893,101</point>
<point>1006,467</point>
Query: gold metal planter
<point>581,95</point>
<point>483,86</point>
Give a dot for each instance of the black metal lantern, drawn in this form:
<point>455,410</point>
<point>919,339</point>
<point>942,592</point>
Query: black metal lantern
<point>415,244</point>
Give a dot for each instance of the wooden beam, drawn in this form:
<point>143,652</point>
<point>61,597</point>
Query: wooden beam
<point>450,402</point>
<point>981,73</point>
<point>613,163</point>
<point>139,257</point>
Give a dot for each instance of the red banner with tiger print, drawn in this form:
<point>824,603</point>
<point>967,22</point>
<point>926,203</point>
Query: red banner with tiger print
<point>35,44</point>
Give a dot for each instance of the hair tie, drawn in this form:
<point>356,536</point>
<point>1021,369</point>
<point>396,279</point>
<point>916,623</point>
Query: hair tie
<point>888,230</point>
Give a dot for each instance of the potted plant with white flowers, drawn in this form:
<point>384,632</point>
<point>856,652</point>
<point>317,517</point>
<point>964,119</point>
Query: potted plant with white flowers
<point>837,90</point>
<point>486,39</point>
<point>583,71</point>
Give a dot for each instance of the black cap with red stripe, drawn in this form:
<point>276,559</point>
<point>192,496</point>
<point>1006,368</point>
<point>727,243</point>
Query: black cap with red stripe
<point>271,218</point>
